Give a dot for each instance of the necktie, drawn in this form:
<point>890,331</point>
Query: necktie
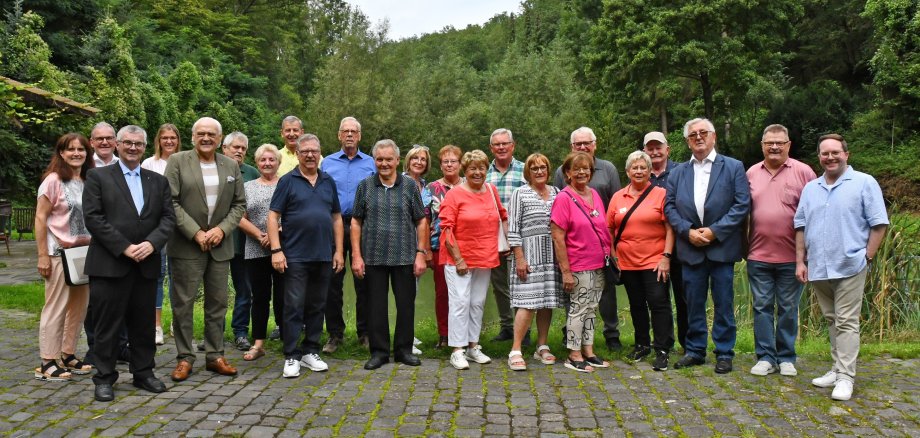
<point>137,193</point>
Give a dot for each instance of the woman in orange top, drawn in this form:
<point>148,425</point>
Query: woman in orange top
<point>643,251</point>
<point>470,214</point>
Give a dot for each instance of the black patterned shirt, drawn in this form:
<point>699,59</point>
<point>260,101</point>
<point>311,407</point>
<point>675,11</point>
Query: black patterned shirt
<point>390,215</point>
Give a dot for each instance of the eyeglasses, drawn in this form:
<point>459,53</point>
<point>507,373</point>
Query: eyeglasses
<point>420,146</point>
<point>502,144</point>
<point>450,161</point>
<point>349,131</point>
<point>701,134</point>
<point>539,168</point>
<point>306,152</point>
<point>133,144</point>
<point>831,154</point>
<point>773,143</point>
<point>583,143</point>
<point>581,170</point>
<point>103,139</point>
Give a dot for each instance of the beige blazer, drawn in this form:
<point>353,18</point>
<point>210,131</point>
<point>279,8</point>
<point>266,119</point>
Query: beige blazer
<point>183,170</point>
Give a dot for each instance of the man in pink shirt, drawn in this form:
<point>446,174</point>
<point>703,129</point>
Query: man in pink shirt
<point>776,184</point>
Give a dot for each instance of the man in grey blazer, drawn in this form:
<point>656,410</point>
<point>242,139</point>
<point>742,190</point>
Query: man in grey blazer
<point>707,202</point>
<point>129,212</point>
<point>207,194</point>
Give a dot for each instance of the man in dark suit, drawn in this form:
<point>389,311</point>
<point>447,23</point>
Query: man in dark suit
<point>129,212</point>
<point>707,202</point>
<point>207,193</point>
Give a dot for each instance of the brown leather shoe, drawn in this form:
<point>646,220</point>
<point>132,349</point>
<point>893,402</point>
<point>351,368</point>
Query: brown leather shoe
<point>221,366</point>
<point>182,371</point>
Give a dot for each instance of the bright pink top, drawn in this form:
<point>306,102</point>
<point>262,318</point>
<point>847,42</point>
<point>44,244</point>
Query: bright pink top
<point>66,228</point>
<point>774,199</point>
<point>642,244</point>
<point>586,252</point>
<point>473,220</point>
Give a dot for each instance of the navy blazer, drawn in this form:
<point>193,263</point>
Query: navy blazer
<point>728,202</point>
<point>114,223</point>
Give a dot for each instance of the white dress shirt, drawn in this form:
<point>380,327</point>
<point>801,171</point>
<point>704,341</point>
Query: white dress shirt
<point>701,171</point>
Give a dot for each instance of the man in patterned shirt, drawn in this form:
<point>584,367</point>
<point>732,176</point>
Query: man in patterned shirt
<point>386,233</point>
<point>506,173</point>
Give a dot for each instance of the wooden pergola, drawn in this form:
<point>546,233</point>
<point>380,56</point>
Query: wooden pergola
<point>49,99</point>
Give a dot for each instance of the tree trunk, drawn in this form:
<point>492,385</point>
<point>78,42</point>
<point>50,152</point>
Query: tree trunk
<point>707,95</point>
<point>663,112</point>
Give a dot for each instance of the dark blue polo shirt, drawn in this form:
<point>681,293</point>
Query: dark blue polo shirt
<point>306,216</point>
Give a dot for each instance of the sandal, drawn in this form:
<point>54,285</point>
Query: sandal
<point>516,361</point>
<point>254,353</point>
<point>578,365</point>
<point>597,362</point>
<point>52,372</point>
<point>543,355</point>
<point>76,366</point>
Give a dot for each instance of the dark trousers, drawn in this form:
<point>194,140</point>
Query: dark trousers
<point>335,321</point>
<point>89,326</point>
<point>680,301</point>
<point>379,279</point>
<point>700,280</point>
<point>305,287</point>
<point>608,310</point>
<point>117,303</point>
<point>266,285</point>
<point>242,302</point>
<point>648,296</point>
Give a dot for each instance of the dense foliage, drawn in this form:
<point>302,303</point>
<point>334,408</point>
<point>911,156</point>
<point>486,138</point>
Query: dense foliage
<point>623,67</point>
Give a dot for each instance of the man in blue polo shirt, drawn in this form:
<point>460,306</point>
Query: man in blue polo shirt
<point>307,252</point>
<point>347,167</point>
<point>839,225</point>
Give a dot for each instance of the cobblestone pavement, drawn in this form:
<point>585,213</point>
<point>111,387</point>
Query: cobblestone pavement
<point>20,264</point>
<point>436,400</point>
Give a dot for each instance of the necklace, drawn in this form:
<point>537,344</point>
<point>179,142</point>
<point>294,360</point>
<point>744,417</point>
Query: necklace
<point>588,200</point>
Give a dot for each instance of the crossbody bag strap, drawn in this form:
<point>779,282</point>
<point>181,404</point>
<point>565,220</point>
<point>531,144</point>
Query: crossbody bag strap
<point>629,213</point>
<point>599,240</point>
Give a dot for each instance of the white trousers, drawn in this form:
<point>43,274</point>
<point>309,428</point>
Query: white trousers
<point>466,296</point>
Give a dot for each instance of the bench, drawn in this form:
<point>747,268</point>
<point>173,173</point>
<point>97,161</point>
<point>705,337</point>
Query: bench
<point>24,220</point>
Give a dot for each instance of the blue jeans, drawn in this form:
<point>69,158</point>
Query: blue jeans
<point>242,304</point>
<point>698,280</point>
<point>774,287</point>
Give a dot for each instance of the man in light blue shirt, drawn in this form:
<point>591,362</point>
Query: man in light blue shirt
<point>347,168</point>
<point>839,224</point>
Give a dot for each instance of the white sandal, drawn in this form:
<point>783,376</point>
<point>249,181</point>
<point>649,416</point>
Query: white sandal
<point>516,364</point>
<point>542,353</point>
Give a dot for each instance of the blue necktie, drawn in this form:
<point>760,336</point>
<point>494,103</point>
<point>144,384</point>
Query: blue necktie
<point>137,193</point>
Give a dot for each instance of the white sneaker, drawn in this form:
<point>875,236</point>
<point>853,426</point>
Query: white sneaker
<point>291,368</point>
<point>762,368</point>
<point>475,354</point>
<point>458,361</point>
<point>787,369</point>
<point>158,338</point>
<point>313,362</point>
<point>416,341</point>
<point>825,381</point>
<point>843,390</point>
<point>416,351</point>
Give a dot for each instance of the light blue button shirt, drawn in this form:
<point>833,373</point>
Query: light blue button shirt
<point>133,178</point>
<point>347,173</point>
<point>836,219</point>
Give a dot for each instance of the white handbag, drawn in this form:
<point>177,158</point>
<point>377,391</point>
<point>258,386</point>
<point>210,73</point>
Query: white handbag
<point>74,259</point>
<point>503,245</point>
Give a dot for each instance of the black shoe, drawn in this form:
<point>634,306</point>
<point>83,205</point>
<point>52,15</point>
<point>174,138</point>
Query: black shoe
<point>505,334</point>
<point>242,343</point>
<point>526,341</point>
<point>124,356</point>
<point>723,366</point>
<point>614,344</point>
<point>376,362</point>
<point>276,334</point>
<point>104,392</point>
<point>661,361</point>
<point>150,384</point>
<point>408,359</point>
<point>688,361</point>
<point>639,353</point>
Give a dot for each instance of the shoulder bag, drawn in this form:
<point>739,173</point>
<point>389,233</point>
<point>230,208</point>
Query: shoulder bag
<point>503,245</point>
<point>73,260</point>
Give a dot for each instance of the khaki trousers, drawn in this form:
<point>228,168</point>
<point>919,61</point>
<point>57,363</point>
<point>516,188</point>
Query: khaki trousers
<point>187,275</point>
<point>62,315</point>
<point>841,302</point>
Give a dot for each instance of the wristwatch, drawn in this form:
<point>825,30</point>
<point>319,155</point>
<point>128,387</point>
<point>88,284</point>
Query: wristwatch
<point>667,254</point>
<point>423,251</point>
<point>275,250</point>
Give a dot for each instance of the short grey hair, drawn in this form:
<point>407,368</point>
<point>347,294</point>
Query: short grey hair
<point>638,155</point>
<point>350,119</point>
<point>308,137</point>
<point>709,125</point>
<point>383,144</point>
<point>267,147</point>
<point>100,125</point>
<point>130,129</point>
<point>234,136</point>
<point>501,131</point>
<point>582,130</point>
<point>292,119</point>
<point>776,127</point>
<point>220,130</point>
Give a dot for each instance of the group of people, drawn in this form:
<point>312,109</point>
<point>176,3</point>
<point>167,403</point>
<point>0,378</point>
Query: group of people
<point>296,218</point>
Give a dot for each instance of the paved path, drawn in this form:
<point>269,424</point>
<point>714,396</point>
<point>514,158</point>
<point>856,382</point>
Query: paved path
<point>436,400</point>
<point>21,263</point>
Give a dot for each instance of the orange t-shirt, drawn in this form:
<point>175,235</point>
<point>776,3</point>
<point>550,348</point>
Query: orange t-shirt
<point>642,244</point>
<point>473,220</point>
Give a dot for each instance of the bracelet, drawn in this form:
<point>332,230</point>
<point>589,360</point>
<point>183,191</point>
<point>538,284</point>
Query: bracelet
<point>275,250</point>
